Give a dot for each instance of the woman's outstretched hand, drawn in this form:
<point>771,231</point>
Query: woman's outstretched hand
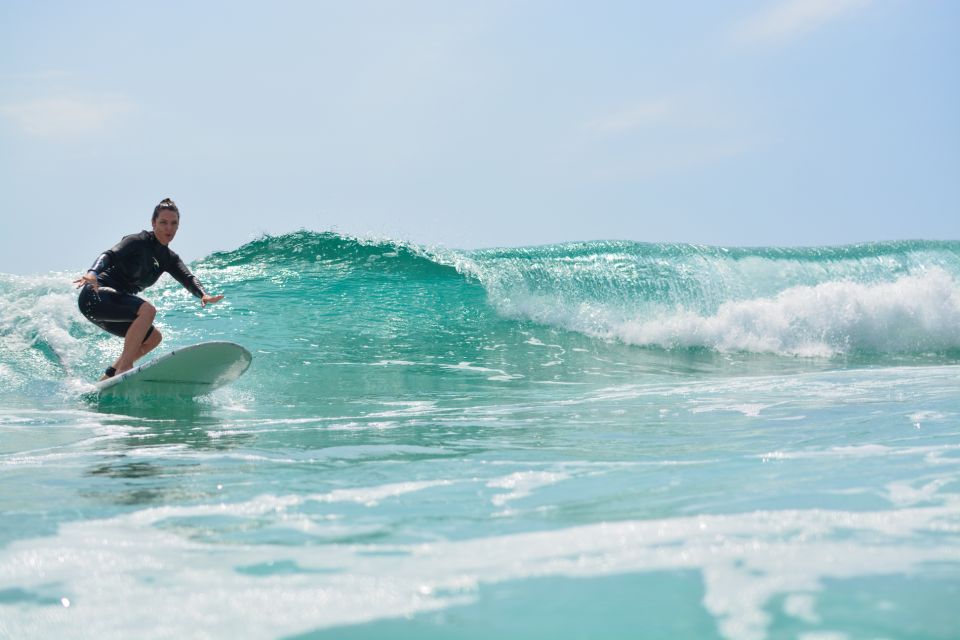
<point>90,279</point>
<point>205,300</point>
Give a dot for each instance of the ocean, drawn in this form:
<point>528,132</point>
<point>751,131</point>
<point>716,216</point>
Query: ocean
<point>583,440</point>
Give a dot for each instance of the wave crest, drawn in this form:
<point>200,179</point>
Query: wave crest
<point>901,297</point>
<point>324,249</point>
<point>914,314</point>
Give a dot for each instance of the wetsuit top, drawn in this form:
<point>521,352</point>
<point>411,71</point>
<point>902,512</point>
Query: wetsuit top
<point>137,261</point>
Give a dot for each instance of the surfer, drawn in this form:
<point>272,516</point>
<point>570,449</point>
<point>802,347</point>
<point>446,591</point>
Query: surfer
<point>108,289</point>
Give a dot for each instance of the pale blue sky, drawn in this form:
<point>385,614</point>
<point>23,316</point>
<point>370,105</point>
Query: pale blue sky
<point>472,124</point>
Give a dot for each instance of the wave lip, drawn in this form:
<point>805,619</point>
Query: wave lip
<point>271,254</point>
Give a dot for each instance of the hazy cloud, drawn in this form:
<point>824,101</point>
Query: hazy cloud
<point>633,118</point>
<point>72,116</point>
<point>790,19</point>
<point>667,135</point>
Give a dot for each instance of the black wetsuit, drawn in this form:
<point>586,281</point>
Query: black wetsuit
<point>132,265</point>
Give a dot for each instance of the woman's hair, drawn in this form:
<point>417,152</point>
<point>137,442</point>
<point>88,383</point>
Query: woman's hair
<point>165,205</point>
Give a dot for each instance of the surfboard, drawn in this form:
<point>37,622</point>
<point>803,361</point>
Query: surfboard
<point>191,371</point>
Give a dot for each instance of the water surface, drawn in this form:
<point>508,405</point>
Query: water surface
<point>583,440</point>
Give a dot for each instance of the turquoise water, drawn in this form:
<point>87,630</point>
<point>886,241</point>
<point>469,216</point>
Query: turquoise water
<point>588,440</point>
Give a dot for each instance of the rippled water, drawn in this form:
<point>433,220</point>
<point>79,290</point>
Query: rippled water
<point>597,440</point>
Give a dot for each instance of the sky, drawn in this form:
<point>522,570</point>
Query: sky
<point>477,124</point>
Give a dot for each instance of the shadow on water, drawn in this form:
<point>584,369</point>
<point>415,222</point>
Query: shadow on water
<point>152,407</point>
<point>150,456</point>
<point>155,421</point>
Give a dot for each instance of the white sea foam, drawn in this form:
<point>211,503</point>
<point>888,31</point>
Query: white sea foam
<point>41,309</point>
<point>786,393</point>
<point>801,606</point>
<point>750,410</point>
<point>500,374</point>
<point>409,408</point>
<point>371,496</point>
<point>522,484</point>
<point>932,453</point>
<point>914,314</point>
<point>746,561</point>
<point>926,416</point>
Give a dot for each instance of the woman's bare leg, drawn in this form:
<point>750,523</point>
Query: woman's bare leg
<point>151,343</point>
<point>134,340</point>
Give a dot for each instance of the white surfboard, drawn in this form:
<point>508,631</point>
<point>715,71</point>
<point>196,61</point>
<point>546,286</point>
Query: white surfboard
<point>190,371</point>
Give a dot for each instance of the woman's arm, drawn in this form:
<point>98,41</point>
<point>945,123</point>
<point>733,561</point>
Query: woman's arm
<point>190,282</point>
<point>105,260</point>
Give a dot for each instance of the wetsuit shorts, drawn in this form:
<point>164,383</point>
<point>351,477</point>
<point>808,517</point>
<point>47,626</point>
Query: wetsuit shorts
<point>110,310</point>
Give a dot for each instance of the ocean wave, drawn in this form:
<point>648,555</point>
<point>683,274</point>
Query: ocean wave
<point>913,314</point>
<point>346,299</point>
<point>901,297</point>
<point>41,331</point>
<point>318,250</point>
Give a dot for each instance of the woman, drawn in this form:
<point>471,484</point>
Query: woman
<point>108,299</point>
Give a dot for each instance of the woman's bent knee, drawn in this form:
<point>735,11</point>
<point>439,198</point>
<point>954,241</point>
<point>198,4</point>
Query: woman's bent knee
<point>153,337</point>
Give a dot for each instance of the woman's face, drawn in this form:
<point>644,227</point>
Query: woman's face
<point>165,226</point>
